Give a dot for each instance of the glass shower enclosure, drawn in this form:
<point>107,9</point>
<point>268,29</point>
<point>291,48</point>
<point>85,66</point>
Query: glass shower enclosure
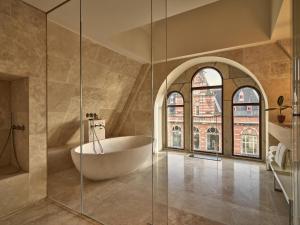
<point>100,96</point>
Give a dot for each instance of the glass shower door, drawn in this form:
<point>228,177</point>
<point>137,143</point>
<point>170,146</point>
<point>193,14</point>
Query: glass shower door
<point>118,163</point>
<point>101,87</point>
<point>63,103</point>
<point>296,111</point>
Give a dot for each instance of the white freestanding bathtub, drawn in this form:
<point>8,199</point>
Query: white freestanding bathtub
<point>121,155</point>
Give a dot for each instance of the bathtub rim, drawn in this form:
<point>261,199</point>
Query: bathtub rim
<point>73,150</point>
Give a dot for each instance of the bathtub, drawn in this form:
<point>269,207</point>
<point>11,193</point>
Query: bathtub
<point>121,155</point>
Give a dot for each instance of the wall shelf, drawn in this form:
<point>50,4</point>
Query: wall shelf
<point>282,132</point>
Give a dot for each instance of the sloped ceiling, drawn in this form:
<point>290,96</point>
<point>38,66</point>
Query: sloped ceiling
<point>194,26</point>
<point>44,5</point>
<point>282,26</point>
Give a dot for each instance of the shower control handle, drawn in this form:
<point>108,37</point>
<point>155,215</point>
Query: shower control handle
<point>92,116</point>
<point>18,127</point>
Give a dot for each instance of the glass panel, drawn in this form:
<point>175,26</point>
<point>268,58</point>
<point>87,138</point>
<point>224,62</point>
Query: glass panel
<point>175,118</point>
<point>207,77</point>
<point>63,104</point>
<point>296,112</point>
<point>246,128</point>
<point>160,87</point>
<point>246,95</point>
<point>207,119</point>
<point>117,99</point>
<point>175,98</point>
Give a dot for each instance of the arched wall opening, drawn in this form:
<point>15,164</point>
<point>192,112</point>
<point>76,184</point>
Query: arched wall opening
<point>176,73</point>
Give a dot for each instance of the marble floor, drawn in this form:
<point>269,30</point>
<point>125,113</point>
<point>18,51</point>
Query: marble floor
<point>8,171</point>
<point>198,192</point>
<point>231,191</point>
<point>45,212</point>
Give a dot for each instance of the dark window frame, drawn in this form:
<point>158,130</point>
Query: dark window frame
<point>222,108</point>
<point>260,120</point>
<point>167,119</point>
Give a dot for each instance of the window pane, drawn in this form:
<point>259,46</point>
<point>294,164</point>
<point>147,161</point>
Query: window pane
<point>207,77</point>
<point>246,131</point>
<point>207,119</point>
<point>246,95</point>
<point>175,126</point>
<point>175,98</point>
<point>196,139</point>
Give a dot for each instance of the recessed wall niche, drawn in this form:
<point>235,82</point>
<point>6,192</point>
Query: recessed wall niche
<point>14,121</point>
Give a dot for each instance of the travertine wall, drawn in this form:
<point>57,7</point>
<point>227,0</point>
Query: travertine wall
<point>108,78</point>
<point>14,108</point>
<point>270,63</point>
<point>23,54</point>
<point>232,79</point>
<point>5,109</point>
<point>20,116</point>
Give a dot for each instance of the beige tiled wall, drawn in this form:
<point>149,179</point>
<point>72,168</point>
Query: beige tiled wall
<point>232,79</point>
<point>108,78</point>
<point>23,54</point>
<point>20,113</point>
<point>5,109</point>
<point>270,63</point>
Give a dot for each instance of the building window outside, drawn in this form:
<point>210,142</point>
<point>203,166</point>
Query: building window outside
<point>197,110</point>
<point>175,120</point>
<point>196,138</point>
<point>212,139</point>
<point>177,135</point>
<point>249,142</point>
<point>241,96</point>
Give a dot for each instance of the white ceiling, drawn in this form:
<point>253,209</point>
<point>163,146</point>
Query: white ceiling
<point>44,5</point>
<point>122,24</point>
<point>175,6</point>
<point>114,16</point>
<point>105,20</point>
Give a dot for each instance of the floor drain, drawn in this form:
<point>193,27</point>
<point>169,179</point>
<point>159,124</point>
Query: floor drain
<point>207,157</point>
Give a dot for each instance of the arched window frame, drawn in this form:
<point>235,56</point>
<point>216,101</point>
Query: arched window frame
<point>175,106</point>
<point>243,134</point>
<point>260,119</point>
<point>222,107</point>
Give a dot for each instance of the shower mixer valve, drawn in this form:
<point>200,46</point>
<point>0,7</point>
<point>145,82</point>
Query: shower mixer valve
<point>92,116</point>
<point>18,127</point>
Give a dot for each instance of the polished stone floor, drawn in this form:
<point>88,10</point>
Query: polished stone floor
<point>45,212</point>
<point>198,191</point>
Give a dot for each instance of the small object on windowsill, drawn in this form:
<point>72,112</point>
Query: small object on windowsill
<point>281,107</point>
<point>284,125</point>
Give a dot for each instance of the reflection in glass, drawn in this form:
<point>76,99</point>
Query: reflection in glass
<point>196,138</point>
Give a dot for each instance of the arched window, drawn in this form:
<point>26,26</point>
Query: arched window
<point>246,104</point>
<point>212,139</point>
<point>196,141</point>
<point>207,108</point>
<point>249,142</point>
<point>175,120</point>
<point>176,137</point>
